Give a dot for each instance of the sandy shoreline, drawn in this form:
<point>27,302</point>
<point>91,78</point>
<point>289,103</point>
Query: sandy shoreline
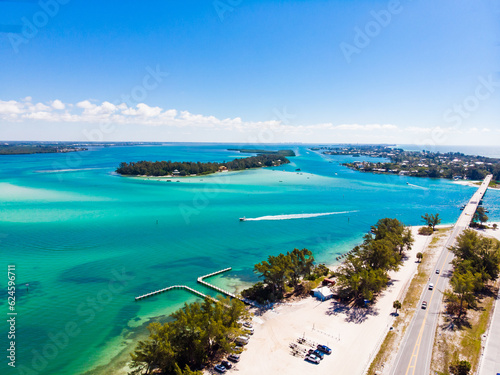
<point>353,334</point>
<point>472,184</point>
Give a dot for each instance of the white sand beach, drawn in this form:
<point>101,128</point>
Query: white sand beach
<point>471,183</point>
<point>353,334</point>
<point>495,233</point>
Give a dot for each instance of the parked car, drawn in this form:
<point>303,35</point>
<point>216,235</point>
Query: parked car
<point>248,331</point>
<point>234,357</point>
<point>247,324</point>
<point>238,349</point>
<point>424,305</point>
<point>312,358</point>
<point>220,368</point>
<point>325,349</point>
<point>431,286</point>
<point>242,340</point>
<point>316,352</point>
<point>226,364</point>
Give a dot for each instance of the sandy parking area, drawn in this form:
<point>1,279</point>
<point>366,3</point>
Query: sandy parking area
<point>353,334</point>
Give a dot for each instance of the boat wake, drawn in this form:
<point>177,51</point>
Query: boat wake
<point>420,187</point>
<point>296,216</point>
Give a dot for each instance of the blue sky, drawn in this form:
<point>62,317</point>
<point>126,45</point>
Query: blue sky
<point>251,71</point>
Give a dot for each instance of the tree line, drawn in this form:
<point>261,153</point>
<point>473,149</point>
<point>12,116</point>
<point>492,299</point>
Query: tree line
<point>365,270</point>
<point>198,332</point>
<point>284,272</point>
<point>186,168</point>
<point>476,263</point>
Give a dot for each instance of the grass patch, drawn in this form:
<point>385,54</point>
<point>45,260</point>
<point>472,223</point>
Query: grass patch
<point>465,343</point>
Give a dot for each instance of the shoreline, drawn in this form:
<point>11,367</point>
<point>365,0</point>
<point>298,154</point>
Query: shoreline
<point>354,334</point>
<point>338,326</point>
<point>472,183</point>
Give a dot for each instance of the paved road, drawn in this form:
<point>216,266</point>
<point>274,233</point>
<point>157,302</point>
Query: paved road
<point>414,355</point>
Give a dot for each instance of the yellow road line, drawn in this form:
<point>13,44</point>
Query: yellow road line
<point>421,332</point>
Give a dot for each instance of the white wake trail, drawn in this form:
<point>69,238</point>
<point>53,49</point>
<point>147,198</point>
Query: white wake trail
<point>420,187</point>
<point>296,216</point>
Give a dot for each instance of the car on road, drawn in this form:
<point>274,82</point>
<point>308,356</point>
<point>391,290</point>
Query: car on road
<point>325,349</point>
<point>219,368</point>
<point>431,286</point>
<point>437,271</point>
<point>312,358</point>
<point>234,357</point>
<point>424,305</point>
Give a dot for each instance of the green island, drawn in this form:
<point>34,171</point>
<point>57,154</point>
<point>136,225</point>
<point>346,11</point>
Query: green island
<point>187,168</point>
<point>450,165</point>
<point>21,148</point>
<point>258,151</point>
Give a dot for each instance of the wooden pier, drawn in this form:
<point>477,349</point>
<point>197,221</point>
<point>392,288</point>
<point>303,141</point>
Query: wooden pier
<point>200,294</point>
<point>222,291</point>
<point>195,292</point>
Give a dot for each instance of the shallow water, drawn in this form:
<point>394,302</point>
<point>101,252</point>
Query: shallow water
<point>88,241</point>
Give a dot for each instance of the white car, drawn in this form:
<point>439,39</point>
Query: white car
<point>431,286</point>
<point>313,358</point>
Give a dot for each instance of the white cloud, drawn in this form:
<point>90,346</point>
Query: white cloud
<point>366,127</point>
<point>57,104</point>
<point>93,112</point>
<point>10,107</point>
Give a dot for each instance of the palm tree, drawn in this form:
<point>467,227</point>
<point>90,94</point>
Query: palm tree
<point>420,256</point>
<point>397,305</point>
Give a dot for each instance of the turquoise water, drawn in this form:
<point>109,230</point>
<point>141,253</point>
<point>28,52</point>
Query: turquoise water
<point>88,241</point>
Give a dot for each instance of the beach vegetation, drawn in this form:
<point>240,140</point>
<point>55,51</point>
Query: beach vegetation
<point>477,262</point>
<point>480,216</point>
<point>294,271</point>
<point>197,333</point>
<point>460,368</point>
<point>397,305</point>
<point>431,220</point>
<point>420,256</point>
<point>365,270</point>
<point>425,231</point>
<point>168,168</point>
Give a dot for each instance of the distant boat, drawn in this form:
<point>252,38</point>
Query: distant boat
<point>298,169</point>
<point>462,207</point>
<point>243,218</point>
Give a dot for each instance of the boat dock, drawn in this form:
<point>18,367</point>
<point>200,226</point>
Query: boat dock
<point>216,288</point>
<point>222,291</point>
<point>195,292</point>
<point>200,294</point>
